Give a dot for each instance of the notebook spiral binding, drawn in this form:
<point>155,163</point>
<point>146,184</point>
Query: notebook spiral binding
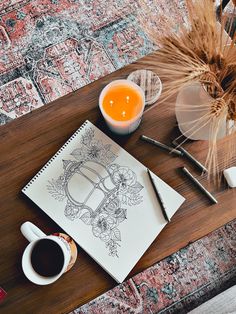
<point>55,156</point>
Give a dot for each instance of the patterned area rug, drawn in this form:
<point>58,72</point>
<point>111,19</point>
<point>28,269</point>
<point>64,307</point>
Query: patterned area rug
<point>49,48</point>
<point>178,283</point>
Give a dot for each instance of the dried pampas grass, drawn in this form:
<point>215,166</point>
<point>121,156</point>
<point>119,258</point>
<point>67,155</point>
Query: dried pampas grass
<point>200,51</point>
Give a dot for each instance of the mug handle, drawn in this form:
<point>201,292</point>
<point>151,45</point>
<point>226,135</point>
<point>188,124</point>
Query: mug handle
<point>31,232</point>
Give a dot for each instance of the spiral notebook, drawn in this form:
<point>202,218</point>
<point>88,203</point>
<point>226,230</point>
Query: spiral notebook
<point>102,197</point>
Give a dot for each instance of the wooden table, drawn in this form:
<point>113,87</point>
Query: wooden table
<point>26,145</point>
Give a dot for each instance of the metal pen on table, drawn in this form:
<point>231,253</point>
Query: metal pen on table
<point>170,149</point>
<point>159,198</point>
<point>190,157</point>
<point>199,185</point>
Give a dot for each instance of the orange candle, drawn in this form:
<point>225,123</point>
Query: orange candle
<point>122,103</point>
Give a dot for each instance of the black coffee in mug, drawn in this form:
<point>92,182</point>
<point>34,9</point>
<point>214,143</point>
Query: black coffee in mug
<point>47,258</point>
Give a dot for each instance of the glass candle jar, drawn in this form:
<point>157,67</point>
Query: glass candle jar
<point>122,103</point>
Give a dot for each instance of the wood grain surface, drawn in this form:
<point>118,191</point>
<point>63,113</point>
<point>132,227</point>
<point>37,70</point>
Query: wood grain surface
<point>26,145</point>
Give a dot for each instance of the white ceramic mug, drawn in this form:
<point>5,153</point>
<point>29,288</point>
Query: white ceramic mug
<point>33,234</point>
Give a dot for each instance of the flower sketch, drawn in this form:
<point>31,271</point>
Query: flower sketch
<point>93,149</point>
<point>124,177</point>
<point>112,189</point>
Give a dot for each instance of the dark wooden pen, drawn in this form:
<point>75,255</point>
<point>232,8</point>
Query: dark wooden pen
<point>170,149</point>
<point>199,185</point>
<point>159,198</point>
<point>190,157</point>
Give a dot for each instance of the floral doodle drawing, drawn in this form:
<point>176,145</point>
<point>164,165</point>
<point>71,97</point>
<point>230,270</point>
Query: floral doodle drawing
<point>110,189</point>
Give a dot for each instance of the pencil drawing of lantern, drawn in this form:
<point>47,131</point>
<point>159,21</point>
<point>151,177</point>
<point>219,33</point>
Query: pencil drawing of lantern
<point>97,191</point>
<point>88,186</point>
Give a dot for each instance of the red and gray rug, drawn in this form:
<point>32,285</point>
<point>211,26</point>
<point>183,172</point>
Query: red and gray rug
<point>49,48</point>
<point>178,283</point>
